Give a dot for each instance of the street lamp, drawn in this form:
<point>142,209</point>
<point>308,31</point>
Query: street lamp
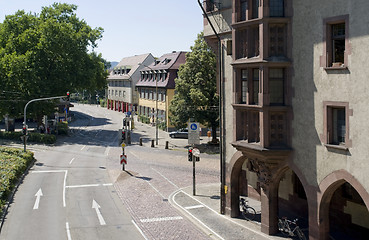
<point>156,102</point>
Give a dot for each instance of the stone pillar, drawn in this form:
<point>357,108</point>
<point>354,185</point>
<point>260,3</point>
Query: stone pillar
<point>269,209</point>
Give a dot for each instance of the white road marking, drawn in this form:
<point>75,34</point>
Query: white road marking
<point>65,180</point>
<point>161,219</point>
<point>165,178</point>
<point>64,186</point>
<point>156,190</point>
<point>89,185</point>
<point>83,147</point>
<point>38,196</point>
<point>107,150</point>
<point>139,229</point>
<point>68,231</point>
<point>97,207</point>
<point>71,161</point>
<point>193,207</point>
<point>250,229</point>
<point>193,216</point>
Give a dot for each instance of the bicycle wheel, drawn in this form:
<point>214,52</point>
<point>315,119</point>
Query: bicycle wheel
<point>300,234</point>
<point>282,228</point>
<point>249,213</point>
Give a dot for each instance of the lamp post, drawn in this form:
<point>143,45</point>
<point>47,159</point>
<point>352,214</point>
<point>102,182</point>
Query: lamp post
<point>156,102</point>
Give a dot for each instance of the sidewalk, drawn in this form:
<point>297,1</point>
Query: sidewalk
<point>148,133</point>
<point>203,211</point>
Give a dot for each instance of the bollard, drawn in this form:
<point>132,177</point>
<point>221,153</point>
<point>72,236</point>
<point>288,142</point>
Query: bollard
<point>140,141</point>
<point>166,144</point>
<point>152,143</point>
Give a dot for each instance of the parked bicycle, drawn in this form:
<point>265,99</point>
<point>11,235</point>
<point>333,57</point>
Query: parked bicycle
<point>248,212</point>
<point>290,228</point>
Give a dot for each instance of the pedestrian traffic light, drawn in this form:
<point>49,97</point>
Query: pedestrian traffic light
<point>190,154</point>
<point>68,96</point>
<point>24,130</point>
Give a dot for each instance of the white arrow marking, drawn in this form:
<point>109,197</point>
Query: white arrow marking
<point>97,208</point>
<point>38,196</point>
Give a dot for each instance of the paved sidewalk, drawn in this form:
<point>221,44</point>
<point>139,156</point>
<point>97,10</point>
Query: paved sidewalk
<point>203,210</point>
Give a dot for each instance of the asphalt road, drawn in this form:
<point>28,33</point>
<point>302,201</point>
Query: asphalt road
<point>68,194</point>
<point>77,189</point>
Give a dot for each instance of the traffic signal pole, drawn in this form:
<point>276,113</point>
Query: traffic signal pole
<point>25,114</point>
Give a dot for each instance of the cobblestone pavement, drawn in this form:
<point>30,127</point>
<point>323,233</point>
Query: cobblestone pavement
<point>151,176</point>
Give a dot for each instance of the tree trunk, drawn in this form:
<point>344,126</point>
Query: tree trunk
<point>214,133</point>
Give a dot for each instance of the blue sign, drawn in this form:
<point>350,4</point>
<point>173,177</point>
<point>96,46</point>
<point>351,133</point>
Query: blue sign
<point>193,126</point>
<point>128,114</point>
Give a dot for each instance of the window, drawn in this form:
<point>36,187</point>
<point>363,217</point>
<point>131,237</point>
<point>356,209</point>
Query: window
<point>337,47</point>
<point>255,51</point>
<point>276,86</point>
<point>243,8</point>
<point>248,43</point>
<point>336,126</point>
<point>255,84</point>
<point>244,86</point>
<point>242,41</point>
<point>276,8</point>
<point>120,93</point>
<point>277,129</point>
<point>255,9</point>
<point>209,5</point>
<point>277,40</point>
<point>338,43</point>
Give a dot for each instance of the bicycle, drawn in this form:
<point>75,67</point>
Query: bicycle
<point>248,212</point>
<point>284,226</point>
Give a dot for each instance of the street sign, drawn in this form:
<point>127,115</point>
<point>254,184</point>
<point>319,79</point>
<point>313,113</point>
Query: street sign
<point>193,133</point>
<point>196,152</point>
<point>123,145</point>
<point>123,159</point>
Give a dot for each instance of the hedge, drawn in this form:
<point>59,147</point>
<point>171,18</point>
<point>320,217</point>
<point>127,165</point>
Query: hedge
<point>32,137</point>
<point>13,163</point>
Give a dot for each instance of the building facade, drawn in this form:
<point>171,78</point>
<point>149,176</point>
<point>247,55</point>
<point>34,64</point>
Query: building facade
<point>122,80</point>
<point>156,88</point>
<point>294,79</point>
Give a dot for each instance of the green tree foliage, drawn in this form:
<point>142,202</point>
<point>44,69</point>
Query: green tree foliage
<point>196,91</point>
<point>47,54</point>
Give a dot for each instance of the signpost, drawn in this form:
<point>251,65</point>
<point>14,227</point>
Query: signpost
<point>123,157</point>
<point>193,133</point>
<point>194,138</point>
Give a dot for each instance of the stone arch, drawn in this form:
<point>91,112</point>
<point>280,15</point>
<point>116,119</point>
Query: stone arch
<point>282,169</point>
<point>327,187</point>
<point>234,167</point>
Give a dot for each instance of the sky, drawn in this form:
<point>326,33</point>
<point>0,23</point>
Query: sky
<point>130,27</point>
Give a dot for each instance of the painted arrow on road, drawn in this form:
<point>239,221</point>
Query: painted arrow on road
<point>97,207</point>
<point>38,196</point>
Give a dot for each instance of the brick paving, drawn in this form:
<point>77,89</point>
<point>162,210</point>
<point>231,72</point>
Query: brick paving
<point>152,175</point>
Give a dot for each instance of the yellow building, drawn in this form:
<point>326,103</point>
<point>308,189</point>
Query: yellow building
<point>156,88</point>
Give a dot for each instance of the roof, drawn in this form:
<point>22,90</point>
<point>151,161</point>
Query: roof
<point>168,61</point>
<point>131,63</point>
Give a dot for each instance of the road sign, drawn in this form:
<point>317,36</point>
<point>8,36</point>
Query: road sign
<point>196,152</point>
<point>123,159</point>
<point>123,145</point>
<point>193,133</point>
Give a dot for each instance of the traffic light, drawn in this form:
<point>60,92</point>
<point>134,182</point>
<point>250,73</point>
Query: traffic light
<point>190,154</point>
<point>24,130</point>
<point>68,96</point>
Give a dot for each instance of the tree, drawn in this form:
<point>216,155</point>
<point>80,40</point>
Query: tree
<point>196,91</point>
<point>47,54</point>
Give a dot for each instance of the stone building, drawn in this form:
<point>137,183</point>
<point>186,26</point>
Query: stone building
<point>295,111</point>
<point>156,87</point>
<point>122,94</point>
